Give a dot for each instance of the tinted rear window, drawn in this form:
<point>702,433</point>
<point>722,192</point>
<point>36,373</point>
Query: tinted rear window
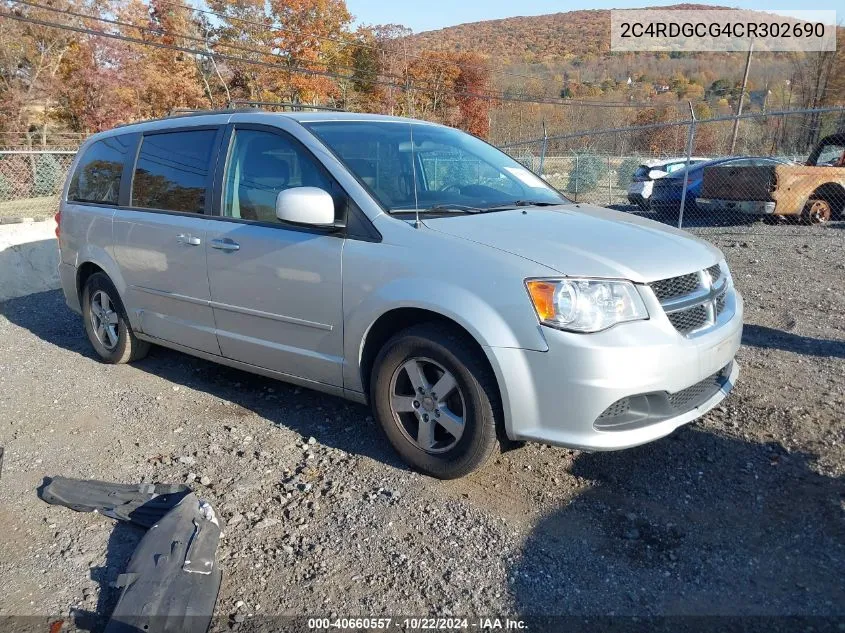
<point>97,177</point>
<point>172,172</point>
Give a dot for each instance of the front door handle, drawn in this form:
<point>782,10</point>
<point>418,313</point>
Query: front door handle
<point>225,244</point>
<point>190,240</point>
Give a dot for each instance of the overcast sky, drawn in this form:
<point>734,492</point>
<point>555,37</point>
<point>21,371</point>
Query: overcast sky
<point>435,14</point>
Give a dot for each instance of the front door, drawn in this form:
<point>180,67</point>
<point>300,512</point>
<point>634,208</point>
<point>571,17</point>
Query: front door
<point>275,289</point>
<point>160,241</point>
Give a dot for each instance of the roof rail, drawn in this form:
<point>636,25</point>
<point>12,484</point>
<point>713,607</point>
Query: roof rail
<point>177,113</point>
<point>295,107</point>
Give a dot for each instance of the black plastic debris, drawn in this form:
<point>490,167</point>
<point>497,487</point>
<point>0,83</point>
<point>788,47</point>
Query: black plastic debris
<point>141,504</point>
<point>172,581</point>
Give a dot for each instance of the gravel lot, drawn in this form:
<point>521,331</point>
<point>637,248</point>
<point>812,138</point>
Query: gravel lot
<point>741,513</point>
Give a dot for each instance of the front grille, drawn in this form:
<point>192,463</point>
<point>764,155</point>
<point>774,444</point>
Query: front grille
<point>689,320</point>
<point>692,397</point>
<point>693,301</point>
<point>675,287</point>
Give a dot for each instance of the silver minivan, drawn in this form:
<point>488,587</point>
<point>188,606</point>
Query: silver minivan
<point>402,264</point>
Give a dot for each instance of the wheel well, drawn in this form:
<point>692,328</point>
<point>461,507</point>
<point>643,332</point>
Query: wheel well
<point>832,192</point>
<point>399,319</point>
<point>82,274</point>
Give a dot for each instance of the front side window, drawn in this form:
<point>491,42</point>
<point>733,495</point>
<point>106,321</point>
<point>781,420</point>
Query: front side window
<point>261,164</point>
<point>409,165</point>
<point>97,177</point>
<point>172,172</point>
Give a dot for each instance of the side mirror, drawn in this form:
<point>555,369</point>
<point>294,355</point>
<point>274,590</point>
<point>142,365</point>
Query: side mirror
<point>305,205</point>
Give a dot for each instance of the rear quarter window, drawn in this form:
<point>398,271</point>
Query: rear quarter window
<point>97,176</point>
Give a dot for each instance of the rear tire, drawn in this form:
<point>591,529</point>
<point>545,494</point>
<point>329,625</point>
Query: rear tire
<point>445,435</point>
<point>106,324</point>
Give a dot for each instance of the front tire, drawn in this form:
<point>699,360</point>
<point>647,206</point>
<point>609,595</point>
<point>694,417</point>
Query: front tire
<point>436,400</point>
<point>106,324</point>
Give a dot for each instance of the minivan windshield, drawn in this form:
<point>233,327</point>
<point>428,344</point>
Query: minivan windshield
<point>408,166</point>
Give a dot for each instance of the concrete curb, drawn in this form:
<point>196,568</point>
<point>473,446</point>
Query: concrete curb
<point>29,258</point>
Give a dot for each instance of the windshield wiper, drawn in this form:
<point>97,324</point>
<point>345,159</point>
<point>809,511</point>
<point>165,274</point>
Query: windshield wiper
<point>443,208</point>
<point>521,203</point>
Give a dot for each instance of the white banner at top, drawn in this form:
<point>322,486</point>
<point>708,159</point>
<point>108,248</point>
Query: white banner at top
<point>715,30</point>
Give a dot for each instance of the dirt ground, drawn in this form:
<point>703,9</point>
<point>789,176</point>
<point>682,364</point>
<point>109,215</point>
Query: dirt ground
<point>740,513</point>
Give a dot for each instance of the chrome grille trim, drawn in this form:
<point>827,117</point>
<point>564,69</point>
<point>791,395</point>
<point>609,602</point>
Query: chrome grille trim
<point>694,301</point>
<point>721,302</point>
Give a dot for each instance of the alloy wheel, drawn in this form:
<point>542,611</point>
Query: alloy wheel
<point>104,320</point>
<point>427,405</point>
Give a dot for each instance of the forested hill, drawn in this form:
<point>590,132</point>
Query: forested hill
<point>533,39</point>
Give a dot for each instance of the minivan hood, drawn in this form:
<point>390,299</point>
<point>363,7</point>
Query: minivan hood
<point>584,240</point>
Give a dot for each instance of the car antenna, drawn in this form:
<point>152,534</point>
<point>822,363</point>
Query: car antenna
<point>414,172</point>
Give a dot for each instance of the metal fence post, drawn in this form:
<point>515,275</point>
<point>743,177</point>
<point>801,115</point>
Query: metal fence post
<point>609,183</point>
<point>543,149</point>
<point>576,177</point>
<point>690,141</point>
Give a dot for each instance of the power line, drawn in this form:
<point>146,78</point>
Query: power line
<point>159,32</point>
<point>322,37</point>
<point>384,50</point>
<point>287,60</point>
<point>305,71</point>
<point>226,57</point>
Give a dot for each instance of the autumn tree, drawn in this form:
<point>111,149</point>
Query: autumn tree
<point>162,77</point>
<point>658,139</point>
<point>30,58</point>
<point>297,44</point>
<point>366,59</point>
<point>431,78</point>
<point>93,93</point>
<point>471,86</point>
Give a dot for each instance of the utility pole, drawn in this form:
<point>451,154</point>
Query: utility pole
<point>741,97</point>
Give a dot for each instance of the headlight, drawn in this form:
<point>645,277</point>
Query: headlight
<point>585,305</point>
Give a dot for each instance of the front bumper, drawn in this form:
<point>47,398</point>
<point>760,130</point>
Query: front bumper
<point>556,397</point>
<point>751,207</point>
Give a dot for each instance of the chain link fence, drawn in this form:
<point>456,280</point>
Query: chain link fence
<point>760,172</point>
<point>30,182</point>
